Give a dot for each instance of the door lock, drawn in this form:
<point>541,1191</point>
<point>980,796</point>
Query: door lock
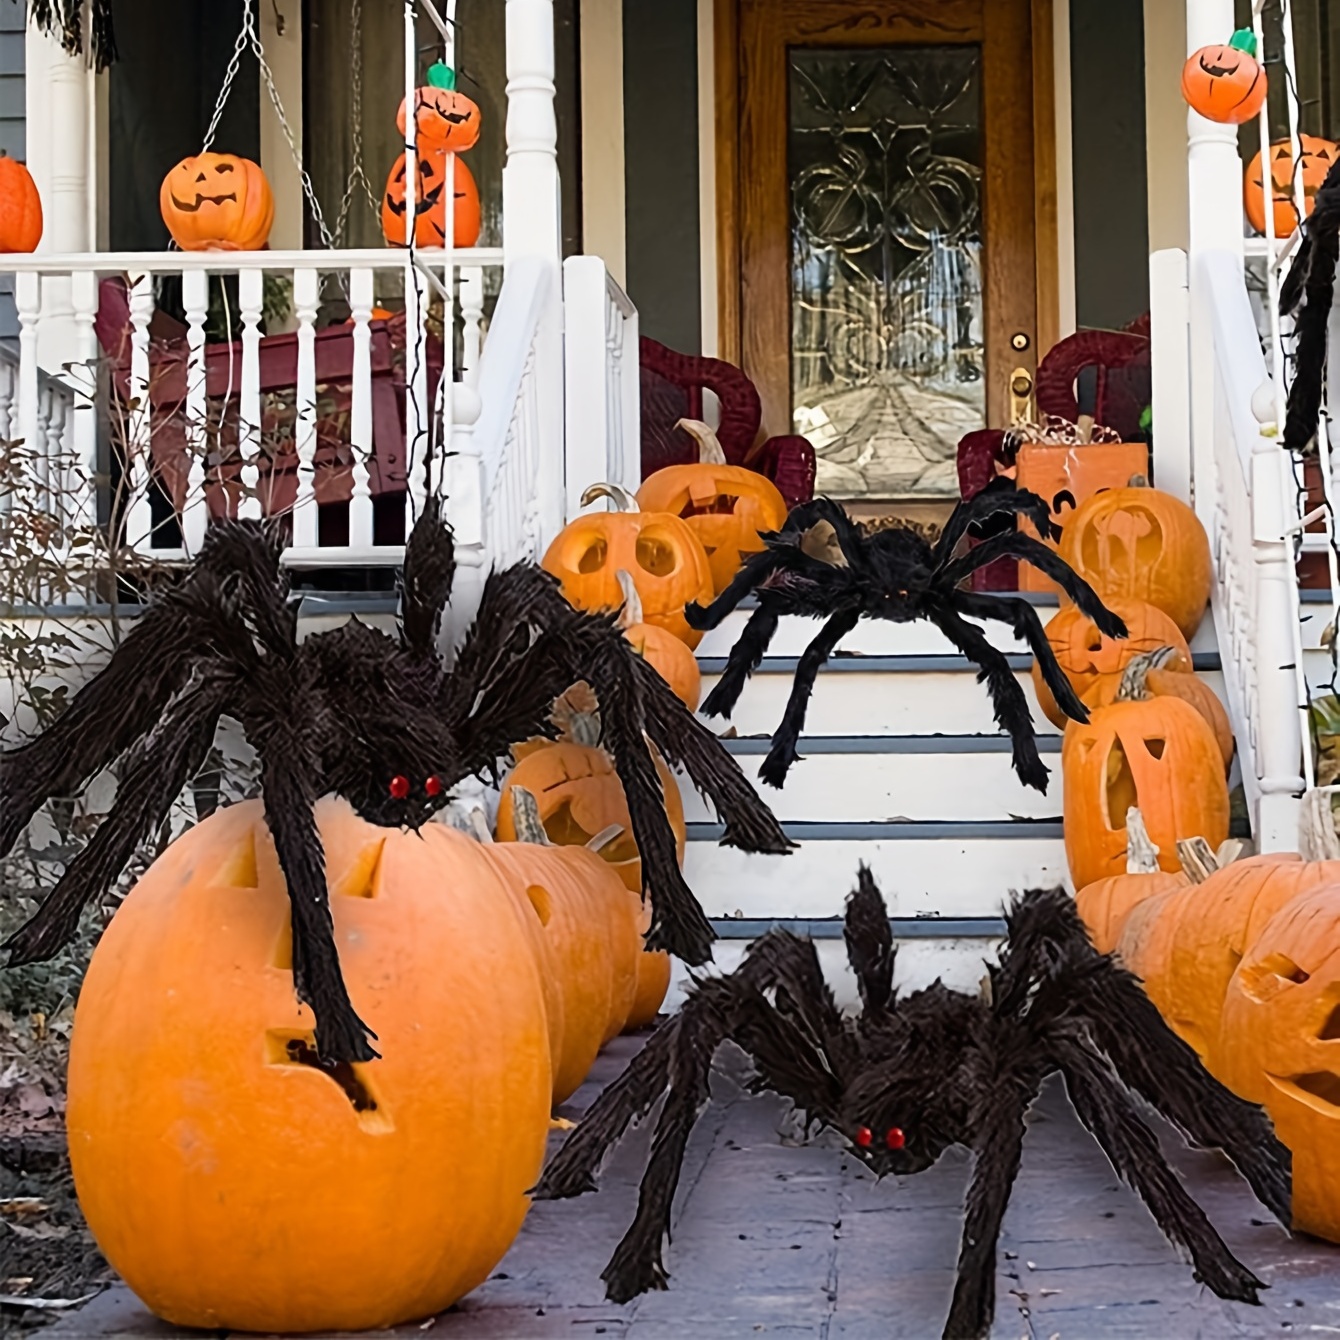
<point>1022,409</point>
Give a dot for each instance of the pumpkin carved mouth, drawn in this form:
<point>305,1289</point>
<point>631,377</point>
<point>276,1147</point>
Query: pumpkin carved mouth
<point>202,200</point>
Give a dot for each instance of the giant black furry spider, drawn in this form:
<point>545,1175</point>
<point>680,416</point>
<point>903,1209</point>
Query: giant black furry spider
<point>377,720</point>
<point>910,1076</point>
<point>822,565</point>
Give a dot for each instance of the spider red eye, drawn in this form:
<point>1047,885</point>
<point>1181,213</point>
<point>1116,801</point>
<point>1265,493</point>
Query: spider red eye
<point>894,1138</point>
<point>399,787</point>
<point>864,1135</point>
<point>433,786</point>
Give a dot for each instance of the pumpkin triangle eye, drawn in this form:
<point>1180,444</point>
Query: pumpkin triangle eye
<point>1156,747</point>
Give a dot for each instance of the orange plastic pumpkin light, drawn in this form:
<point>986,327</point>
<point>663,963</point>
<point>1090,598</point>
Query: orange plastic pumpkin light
<point>1142,544</point>
<point>1086,655</point>
<point>668,565</point>
<point>1226,83</point>
<point>444,118</point>
<point>430,203</point>
<point>726,506</point>
<point>1318,157</point>
<point>232,1182</point>
<point>20,207</point>
<point>217,202</point>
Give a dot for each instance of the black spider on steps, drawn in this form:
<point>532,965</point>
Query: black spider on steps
<point>910,1076</point>
<point>378,720</point>
<point>822,565</point>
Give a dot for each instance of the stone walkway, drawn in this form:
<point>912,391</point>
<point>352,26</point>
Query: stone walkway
<point>779,1239</point>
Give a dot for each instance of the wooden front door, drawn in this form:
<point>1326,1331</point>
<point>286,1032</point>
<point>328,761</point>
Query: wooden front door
<point>878,226</point>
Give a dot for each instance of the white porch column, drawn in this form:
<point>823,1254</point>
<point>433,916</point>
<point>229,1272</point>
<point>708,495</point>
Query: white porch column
<point>58,102</point>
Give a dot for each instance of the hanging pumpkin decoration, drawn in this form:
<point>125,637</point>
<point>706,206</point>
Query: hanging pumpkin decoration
<point>668,564</point>
<point>1087,656</point>
<point>1226,83</point>
<point>669,657</point>
<point>20,207</point>
<point>1142,544</point>
<point>445,119</point>
<point>1158,755</point>
<point>430,202</point>
<point>1282,1021</point>
<point>1318,156</point>
<point>1166,671</point>
<point>329,1198</point>
<point>1105,905</point>
<point>217,202</point>
<point>726,506</point>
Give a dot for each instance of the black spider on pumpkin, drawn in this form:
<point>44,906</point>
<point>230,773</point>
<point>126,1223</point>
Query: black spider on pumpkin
<point>910,1076</point>
<point>822,565</point>
<point>378,720</point>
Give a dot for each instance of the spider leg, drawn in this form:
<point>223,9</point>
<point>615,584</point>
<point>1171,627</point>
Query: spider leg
<point>745,655</point>
<point>870,948</point>
<point>783,752</point>
<point>1011,707</point>
<point>426,579</point>
<point>1105,1107</point>
<point>1012,544</point>
<point>986,505</point>
<point>154,773</point>
<point>755,570</point>
<point>1023,619</point>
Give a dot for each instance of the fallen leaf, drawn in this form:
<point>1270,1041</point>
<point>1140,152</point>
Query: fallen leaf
<point>22,1206</point>
<point>42,1231</point>
<point>40,1304</point>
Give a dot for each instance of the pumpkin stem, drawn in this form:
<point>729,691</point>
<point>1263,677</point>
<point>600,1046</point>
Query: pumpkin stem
<point>710,450</point>
<point>623,500</point>
<point>1138,482</point>
<point>632,602</point>
<point>1142,856</point>
<point>577,715</point>
<point>1317,838</point>
<point>1198,861</point>
<point>1244,40</point>
<point>603,838</point>
<point>1134,687</point>
<point>441,76</point>
<point>526,818</point>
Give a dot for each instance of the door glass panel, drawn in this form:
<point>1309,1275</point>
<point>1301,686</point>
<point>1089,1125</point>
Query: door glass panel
<point>884,159</point>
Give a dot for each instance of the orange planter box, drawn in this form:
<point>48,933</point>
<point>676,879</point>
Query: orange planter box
<point>1066,476</point>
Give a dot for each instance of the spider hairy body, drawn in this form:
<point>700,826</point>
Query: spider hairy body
<point>821,565</point>
<point>379,720</point>
<point>907,1077</point>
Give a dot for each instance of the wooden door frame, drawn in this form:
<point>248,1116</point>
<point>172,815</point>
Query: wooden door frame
<point>726,53</point>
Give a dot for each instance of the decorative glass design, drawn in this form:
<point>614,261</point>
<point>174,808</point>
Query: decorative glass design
<point>884,163</point>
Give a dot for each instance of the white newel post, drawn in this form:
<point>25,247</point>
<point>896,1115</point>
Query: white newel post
<point>532,225</point>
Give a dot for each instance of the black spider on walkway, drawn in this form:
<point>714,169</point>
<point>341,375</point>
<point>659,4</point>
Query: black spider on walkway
<point>910,1076</point>
<point>378,720</point>
<point>822,565</point>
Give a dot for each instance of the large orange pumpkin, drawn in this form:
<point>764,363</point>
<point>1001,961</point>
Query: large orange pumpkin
<point>1159,756</point>
<point>20,207</point>
<point>444,118</point>
<point>667,655</point>
<point>217,202</point>
<point>1142,544</point>
<point>667,562</point>
<point>234,1183</point>
<point>1086,655</point>
<point>1226,83</point>
<point>726,506</point>
<point>430,202</point>
<point>1166,671</point>
<point>1105,905</point>
<point>1318,157</point>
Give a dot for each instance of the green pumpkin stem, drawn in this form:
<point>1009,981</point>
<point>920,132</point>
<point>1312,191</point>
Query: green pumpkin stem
<point>443,76</point>
<point>1244,40</point>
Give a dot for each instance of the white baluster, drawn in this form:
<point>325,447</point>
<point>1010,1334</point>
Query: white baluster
<point>360,417</point>
<point>138,465</point>
<point>28,303</point>
<point>587,397</point>
<point>251,297</point>
<point>8,388</point>
<point>306,302</point>
<point>40,445</point>
<point>472,315</point>
<point>83,461</point>
<point>195,514</point>
<point>531,221</point>
<point>463,481</point>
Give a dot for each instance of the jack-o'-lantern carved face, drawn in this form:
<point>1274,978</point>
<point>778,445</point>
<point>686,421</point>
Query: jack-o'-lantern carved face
<point>443,118</point>
<point>1318,157</point>
<point>430,213</point>
<point>217,202</point>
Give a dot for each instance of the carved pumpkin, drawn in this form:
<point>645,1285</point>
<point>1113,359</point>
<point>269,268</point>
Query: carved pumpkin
<point>217,202</point>
<point>1280,1017</point>
<point>669,657</point>
<point>1142,544</point>
<point>1159,756</point>
<point>1105,905</point>
<point>443,117</point>
<point>726,506</point>
<point>1087,656</point>
<point>20,207</point>
<point>430,208</point>
<point>1226,83</point>
<point>1166,670</point>
<point>667,563</point>
<point>1318,157</point>
<point>327,1200</point>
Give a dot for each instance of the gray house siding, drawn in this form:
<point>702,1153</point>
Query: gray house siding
<point>12,138</point>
